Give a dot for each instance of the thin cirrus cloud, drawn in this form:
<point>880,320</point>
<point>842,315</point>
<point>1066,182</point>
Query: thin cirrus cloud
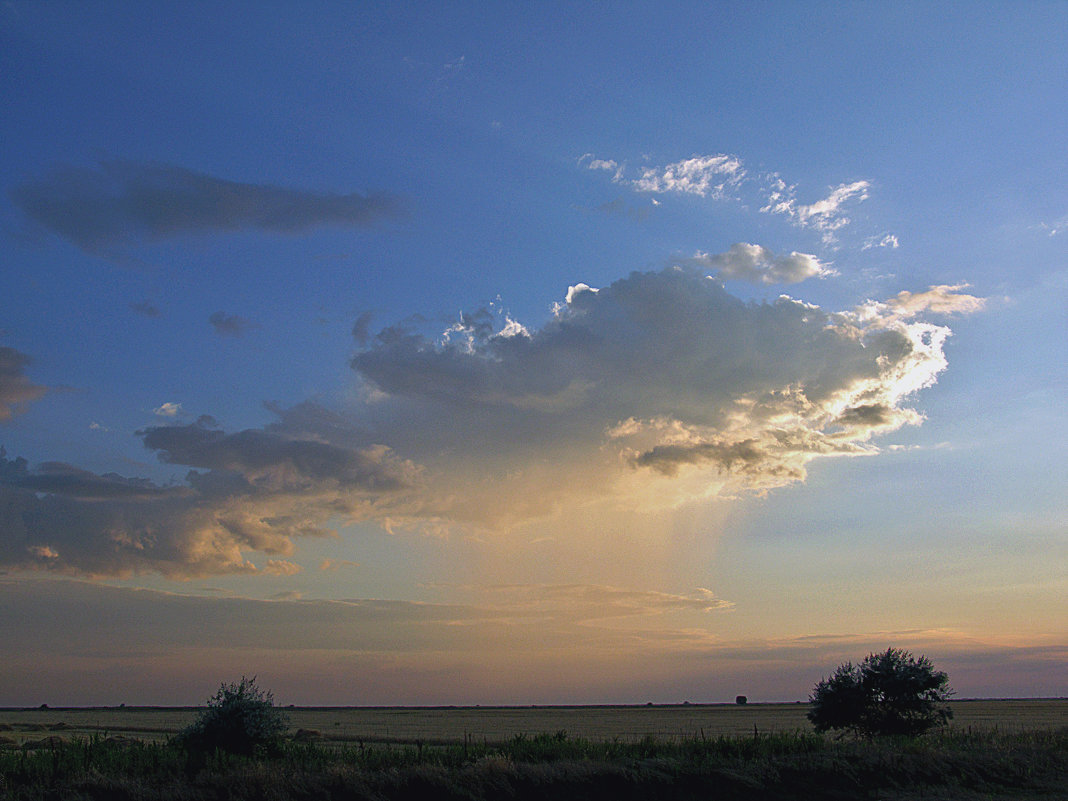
<point>473,641</point>
<point>16,390</point>
<point>704,176</point>
<point>724,175</point>
<point>827,215</point>
<point>884,241</point>
<point>587,602</point>
<point>504,640</point>
<point>505,614</point>
<point>122,202</point>
<point>655,390</point>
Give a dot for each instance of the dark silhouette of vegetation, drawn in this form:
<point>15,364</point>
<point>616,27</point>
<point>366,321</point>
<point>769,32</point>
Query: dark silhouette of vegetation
<point>239,719</point>
<point>741,700</point>
<point>783,767</point>
<point>890,693</point>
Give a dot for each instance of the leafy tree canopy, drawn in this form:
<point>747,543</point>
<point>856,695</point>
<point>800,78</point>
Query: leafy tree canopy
<point>890,693</point>
<point>240,718</point>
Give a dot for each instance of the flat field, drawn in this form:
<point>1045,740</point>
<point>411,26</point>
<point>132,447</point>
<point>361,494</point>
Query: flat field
<point>496,724</point>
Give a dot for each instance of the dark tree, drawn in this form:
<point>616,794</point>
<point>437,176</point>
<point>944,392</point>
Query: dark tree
<point>241,719</point>
<point>886,694</point>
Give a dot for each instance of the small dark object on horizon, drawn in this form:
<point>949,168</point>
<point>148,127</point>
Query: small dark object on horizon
<point>741,700</point>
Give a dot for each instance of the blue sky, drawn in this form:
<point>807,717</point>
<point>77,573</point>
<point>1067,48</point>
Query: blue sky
<point>584,352</point>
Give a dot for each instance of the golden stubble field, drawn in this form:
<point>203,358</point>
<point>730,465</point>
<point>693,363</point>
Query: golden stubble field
<point>494,724</point>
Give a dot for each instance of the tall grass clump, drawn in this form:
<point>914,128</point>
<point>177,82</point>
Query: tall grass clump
<point>782,766</point>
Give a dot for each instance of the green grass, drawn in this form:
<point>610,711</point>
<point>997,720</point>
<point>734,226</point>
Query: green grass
<point>962,764</point>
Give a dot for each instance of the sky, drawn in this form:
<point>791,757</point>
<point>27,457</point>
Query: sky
<point>554,353</point>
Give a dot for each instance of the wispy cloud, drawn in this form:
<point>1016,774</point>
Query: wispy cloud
<point>494,650</point>
<point>1058,226</point>
<point>229,325</point>
<point>607,165</point>
<point>722,176</point>
<point>586,602</point>
<point>146,309</point>
<point>826,215</point>
<point>943,299</point>
<point>706,176</point>
<point>123,202</point>
<point>884,241</point>
<point>16,390</point>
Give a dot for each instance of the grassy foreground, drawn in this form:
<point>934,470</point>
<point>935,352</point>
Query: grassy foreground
<point>968,765</point>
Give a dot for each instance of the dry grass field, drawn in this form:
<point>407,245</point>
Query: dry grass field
<point>495,724</point>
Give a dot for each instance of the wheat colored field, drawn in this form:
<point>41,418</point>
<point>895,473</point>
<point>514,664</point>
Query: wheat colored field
<point>493,724</point>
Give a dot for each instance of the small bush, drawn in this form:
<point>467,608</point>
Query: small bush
<point>240,719</point>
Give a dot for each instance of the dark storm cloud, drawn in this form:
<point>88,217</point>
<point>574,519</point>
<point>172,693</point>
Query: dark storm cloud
<point>126,201</point>
<point>15,389</point>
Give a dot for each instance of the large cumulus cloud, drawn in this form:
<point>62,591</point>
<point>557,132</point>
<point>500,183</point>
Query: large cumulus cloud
<point>659,375</point>
<point>655,390</point>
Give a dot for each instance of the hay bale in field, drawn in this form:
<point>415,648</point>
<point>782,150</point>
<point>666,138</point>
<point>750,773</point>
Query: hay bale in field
<point>307,736</point>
